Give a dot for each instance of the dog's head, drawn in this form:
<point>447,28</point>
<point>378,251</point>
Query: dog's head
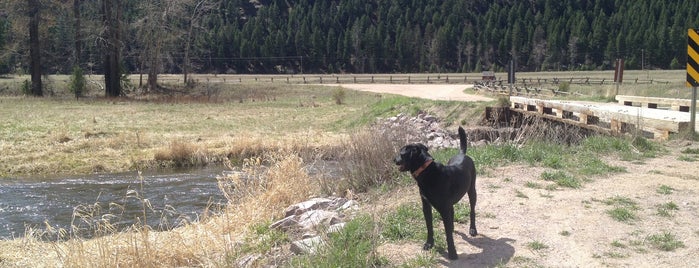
<point>412,156</point>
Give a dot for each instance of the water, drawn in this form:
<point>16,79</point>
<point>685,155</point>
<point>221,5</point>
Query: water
<point>162,200</point>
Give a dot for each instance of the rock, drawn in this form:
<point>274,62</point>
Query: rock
<point>349,205</point>
<point>422,128</point>
<point>336,227</point>
<point>285,223</point>
<point>306,246</point>
<point>310,219</point>
<point>313,204</point>
<point>306,217</point>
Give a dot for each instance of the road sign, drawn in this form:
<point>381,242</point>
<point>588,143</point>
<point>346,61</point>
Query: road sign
<point>693,58</point>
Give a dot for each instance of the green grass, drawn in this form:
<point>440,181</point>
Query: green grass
<point>582,160</point>
<point>618,244</point>
<point>405,223</point>
<point>622,214</point>
<point>353,246</point>
<point>665,241</point>
<point>624,209</point>
<point>425,259</point>
<point>687,158</point>
<point>408,223</point>
<point>263,239</point>
<point>537,245</point>
<point>664,189</point>
<point>533,185</point>
<point>666,209</point>
<point>691,151</point>
<point>562,178</point>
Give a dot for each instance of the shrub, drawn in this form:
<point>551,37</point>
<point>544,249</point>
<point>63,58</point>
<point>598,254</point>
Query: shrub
<point>77,82</point>
<point>564,86</point>
<point>339,95</point>
<point>26,87</point>
<point>367,160</point>
<point>181,154</point>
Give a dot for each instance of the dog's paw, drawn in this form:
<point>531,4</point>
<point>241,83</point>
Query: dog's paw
<point>473,232</point>
<point>427,246</point>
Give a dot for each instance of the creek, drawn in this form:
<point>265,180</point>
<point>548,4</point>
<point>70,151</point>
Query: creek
<point>81,205</point>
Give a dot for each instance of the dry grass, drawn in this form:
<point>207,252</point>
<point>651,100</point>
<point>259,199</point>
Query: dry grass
<point>41,136</point>
<point>183,154</point>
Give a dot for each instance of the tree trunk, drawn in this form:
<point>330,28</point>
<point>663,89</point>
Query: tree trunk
<point>78,44</point>
<point>110,9</point>
<point>153,70</point>
<point>35,48</point>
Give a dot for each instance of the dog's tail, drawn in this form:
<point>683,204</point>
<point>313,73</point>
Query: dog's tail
<point>462,139</point>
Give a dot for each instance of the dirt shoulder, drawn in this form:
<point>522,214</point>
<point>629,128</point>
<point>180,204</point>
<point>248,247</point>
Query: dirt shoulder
<point>450,92</point>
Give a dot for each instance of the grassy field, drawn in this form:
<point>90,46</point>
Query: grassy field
<point>63,135</point>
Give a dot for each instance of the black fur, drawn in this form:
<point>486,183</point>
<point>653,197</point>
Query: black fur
<point>442,186</point>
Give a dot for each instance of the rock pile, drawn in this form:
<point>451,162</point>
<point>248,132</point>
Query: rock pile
<point>422,128</point>
<point>313,219</point>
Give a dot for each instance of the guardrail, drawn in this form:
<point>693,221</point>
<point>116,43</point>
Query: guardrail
<point>682,105</point>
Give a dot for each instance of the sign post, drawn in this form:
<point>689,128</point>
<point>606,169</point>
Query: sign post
<point>618,74</point>
<point>693,73</point>
<point>511,75</point>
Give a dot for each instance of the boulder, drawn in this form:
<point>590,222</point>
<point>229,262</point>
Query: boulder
<point>306,218</point>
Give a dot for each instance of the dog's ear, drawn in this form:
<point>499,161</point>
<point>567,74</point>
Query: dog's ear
<point>422,147</point>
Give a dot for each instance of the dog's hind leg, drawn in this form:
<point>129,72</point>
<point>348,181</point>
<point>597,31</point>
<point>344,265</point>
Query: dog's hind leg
<point>472,198</point>
<point>427,212</point>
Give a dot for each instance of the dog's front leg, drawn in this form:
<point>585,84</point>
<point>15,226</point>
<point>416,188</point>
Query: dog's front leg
<point>448,219</point>
<point>427,212</point>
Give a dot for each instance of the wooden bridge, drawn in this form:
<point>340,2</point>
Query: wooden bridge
<point>611,118</point>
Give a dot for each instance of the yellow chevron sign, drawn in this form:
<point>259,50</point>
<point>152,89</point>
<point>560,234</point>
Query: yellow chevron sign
<point>693,58</point>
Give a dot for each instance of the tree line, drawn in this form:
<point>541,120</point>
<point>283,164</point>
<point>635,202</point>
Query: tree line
<point>115,37</point>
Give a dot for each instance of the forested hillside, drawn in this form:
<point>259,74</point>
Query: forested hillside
<point>356,36</point>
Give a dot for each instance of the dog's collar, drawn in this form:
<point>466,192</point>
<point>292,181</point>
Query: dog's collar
<point>422,168</point>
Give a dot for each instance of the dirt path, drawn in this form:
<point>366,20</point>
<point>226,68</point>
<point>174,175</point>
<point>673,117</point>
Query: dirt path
<point>522,225</point>
<point>435,92</point>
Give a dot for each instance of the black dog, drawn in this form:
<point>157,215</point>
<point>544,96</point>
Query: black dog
<point>441,186</point>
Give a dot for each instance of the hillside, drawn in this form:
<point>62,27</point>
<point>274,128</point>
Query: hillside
<point>355,36</point>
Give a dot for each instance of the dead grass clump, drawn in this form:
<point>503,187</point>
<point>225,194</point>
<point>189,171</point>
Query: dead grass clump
<point>182,154</point>
<point>367,160</point>
<point>283,182</point>
<point>246,147</point>
<point>310,147</point>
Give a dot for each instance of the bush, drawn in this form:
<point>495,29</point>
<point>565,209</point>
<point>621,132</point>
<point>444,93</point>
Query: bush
<point>27,87</point>
<point>182,154</point>
<point>368,161</point>
<point>564,86</point>
<point>339,95</point>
